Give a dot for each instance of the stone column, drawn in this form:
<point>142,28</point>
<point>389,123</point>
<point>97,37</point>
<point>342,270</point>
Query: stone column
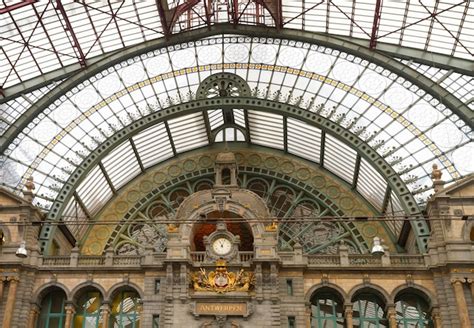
<point>70,310</point>
<point>348,315</point>
<point>436,318</point>
<point>105,314</point>
<point>2,279</point>
<point>308,314</point>
<point>471,282</point>
<point>33,315</point>
<point>461,302</point>
<point>392,316</point>
<point>10,306</point>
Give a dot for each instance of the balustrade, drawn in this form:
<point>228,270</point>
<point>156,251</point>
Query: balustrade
<point>355,260</point>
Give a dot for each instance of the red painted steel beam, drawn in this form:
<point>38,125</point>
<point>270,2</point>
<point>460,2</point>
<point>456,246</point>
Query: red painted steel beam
<point>163,20</point>
<point>10,8</point>
<point>181,9</point>
<point>375,25</point>
<point>82,58</point>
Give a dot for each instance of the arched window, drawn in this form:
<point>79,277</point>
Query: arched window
<point>368,311</point>
<point>327,310</point>
<point>125,310</point>
<point>52,313</point>
<point>412,311</point>
<point>88,310</point>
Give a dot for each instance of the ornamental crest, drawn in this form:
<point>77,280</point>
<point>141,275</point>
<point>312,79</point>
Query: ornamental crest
<point>221,281</point>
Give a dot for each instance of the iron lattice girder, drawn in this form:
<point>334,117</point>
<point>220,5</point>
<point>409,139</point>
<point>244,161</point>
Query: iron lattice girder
<point>18,5</point>
<point>449,100</point>
<point>363,149</point>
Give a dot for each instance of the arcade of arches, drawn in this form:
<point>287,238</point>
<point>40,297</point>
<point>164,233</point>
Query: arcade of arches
<point>236,163</point>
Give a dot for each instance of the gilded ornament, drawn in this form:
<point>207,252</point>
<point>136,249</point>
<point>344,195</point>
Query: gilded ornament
<point>221,281</point>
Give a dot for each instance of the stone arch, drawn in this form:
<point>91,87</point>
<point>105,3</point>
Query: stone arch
<point>326,287</point>
<point>124,285</point>
<point>84,287</point>
<point>370,288</point>
<point>467,233</point>
<point>43,290</point>
<point>419,290</point>
<point>192,213</point>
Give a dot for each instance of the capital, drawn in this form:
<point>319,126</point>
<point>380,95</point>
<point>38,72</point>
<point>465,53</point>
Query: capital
<point>457,280</point>
<point>13,279</point>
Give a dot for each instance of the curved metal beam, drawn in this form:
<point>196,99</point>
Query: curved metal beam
<point>400,69</point>
<point>363,149</point>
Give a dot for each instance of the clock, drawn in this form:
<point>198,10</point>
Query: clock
<point>222,246</point>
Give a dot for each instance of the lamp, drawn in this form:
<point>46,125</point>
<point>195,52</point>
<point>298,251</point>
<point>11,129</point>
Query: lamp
<point>21,252</point>
<point>377,248</point>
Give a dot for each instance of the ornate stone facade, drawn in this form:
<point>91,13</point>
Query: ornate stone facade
<point>148,246</point>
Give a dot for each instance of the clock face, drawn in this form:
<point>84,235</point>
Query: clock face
<point>221,246</point>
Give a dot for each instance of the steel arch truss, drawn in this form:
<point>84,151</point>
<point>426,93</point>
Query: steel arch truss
<point>330,128</point>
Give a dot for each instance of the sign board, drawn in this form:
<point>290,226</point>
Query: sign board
<point>207,308</point>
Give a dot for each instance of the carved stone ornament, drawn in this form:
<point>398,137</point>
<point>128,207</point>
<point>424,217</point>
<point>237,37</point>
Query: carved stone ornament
<point>221,281</point>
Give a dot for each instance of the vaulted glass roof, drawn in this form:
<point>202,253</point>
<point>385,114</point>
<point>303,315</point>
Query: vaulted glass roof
<point>391,77</point>
<point>403,123</point>
<point>40,37</point>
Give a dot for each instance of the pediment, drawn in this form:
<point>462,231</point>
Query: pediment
<point>7,198</point>
<point>461,188</point>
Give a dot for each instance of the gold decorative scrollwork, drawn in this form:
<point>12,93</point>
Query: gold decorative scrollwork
<point>221,281</point>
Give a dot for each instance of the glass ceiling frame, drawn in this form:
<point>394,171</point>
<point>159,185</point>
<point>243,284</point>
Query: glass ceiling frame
<point>438,92</point>
<point>41,36</point>
<point>59,92</point>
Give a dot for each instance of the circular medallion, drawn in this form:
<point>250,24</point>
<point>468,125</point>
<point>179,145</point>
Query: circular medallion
<point>303,174</point>
<point>346,203</point>
<point>237,53</point>
<point>132,74</point>
<point>369,231</point>
<point>102,233</point>
<point>121,207</point>
<point>94,248</point>
<point>255,159</point>
<point>287,167</point>
<point>159,177</point>
<point>189,165</point>
<point>133,196</point>
<point>157,65</point>
<point>319,182</point>
<point>239,158</point>
<point>264,53</point>
<point>146,186</point>
<point>174,170</point>
<point>271,162</point>
<point>205,161</point>
<point>333,192</point>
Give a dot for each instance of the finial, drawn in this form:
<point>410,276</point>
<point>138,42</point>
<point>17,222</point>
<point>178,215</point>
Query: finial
<point>436,173</point>
<point>30,186</point>
<point>436,177</point>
